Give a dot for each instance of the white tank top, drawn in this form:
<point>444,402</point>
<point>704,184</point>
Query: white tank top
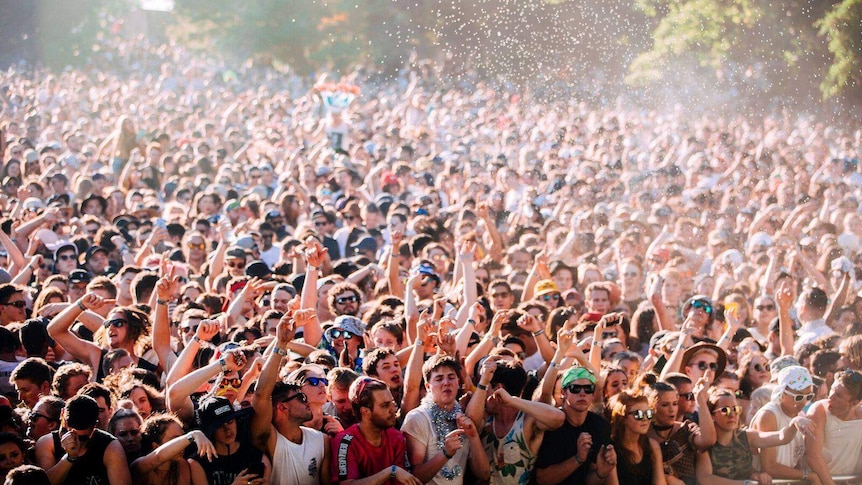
<point>789,454</point>
<point>843,445</point>
<point>298,463</point>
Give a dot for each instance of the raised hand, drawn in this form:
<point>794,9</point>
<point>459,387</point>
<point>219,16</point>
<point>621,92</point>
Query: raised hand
<point>208,329</point>
<point>234,359</point>
<point>205,446</point>
<point>453,442</point>
<point>285,331</point>
<point>784,295</point>
<point>529,323</point>
<point>91,301</point>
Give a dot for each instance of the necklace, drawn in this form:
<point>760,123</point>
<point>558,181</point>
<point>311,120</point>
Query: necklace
<point>444,422</point>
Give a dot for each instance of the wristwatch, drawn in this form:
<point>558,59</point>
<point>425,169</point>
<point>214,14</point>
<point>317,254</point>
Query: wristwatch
<point>281,352</point>
<point>191,439</point>
<point>392,472</point>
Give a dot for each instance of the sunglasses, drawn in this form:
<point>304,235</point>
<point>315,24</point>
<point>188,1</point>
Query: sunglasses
<point>551,296</point>
<point>765,308</point>
<point>688,396</point>
<point>320,223</point>
<point>231,264</point>
<point>348,218</point>
<point>66,257</point>
<point>35,417</point>
<point>761,368</point>
<point>198,246</point>
<point>800,397</point>
<point>301,396</point>
<point>607,335</point>
<point>131,432</point>
<point>316,381</point>
<point>235,383</point>
<point>502,294</point>
<point>641,415</point>
<point>341,300</point>
<point>16,304</point>
<point>188,329</point>
<point>729,411</point>
<point>342,333</point>
<point>577,388</point>
<point>702,305</point>
<point>703,365</point>
<point>116,323</point>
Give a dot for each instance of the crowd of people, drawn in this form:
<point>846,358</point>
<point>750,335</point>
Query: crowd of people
<point>233,275</point>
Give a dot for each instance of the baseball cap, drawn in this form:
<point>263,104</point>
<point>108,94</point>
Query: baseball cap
<point>215,411</point>
<point>82,412</point>
<point>79,276</point>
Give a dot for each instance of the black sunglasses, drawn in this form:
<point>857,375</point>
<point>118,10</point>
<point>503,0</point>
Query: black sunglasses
<point>577,388</point>
<point>703,365</point>
<point>761,368</point>
<point>688,396</point>
<point>299,395</point>
<point>16,304</point>
<point>116,323</point>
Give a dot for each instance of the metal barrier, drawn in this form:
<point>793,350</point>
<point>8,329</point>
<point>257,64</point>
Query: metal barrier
<point>847,479</point>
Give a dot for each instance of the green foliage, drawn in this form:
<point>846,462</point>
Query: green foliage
<point>842,25</point>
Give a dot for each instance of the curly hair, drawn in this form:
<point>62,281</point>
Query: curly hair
<point>138,324</point>
<point>64,374</point>
<point>154,428</point>
<point>341,288</point>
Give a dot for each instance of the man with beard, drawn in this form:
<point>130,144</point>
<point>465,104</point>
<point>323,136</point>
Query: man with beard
<point>372,451</point>
<point>383,364</point>
<point>299,455</point>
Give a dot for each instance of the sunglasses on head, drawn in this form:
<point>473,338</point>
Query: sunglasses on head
<point>342,333</point>
<point>131,432</point>
<point>761,368</point>
<point>702,305</point>
<point>316,381</point>
<point>729,411</point>
<point>577,388</point>
<point>703,365</point>
<point>346,299</point>
<point>551,296</point>
<point>641,414</point>
<point>16,304</point>
<point>116,323</point>
<point>299,395</point>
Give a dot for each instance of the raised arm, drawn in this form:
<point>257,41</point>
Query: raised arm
<point>315,256</point>
<point>413,371</point>
<point>58,329</point>
<point>784,298</point>
<point>173,448</point>
<point>178,399</point>
<point>165,289</point>
<point>396,287</point>
<point>207,329</point>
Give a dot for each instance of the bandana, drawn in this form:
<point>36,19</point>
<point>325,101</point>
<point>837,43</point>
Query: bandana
<point>575,373</point>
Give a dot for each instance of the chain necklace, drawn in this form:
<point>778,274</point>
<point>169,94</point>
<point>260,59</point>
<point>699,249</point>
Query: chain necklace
<point>444,422</point>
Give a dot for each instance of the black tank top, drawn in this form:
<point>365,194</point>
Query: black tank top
<point>90,467</point>
<point>224,468</point>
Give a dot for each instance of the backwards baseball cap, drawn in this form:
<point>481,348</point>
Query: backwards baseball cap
<point>795,378</point>
<point>576,373</point>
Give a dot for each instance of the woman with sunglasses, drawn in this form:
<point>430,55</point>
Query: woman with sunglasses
<point>679,441</point>
<point>125,328</point>
<point>313,380</point>
<point>638,455</point>
<point>753,372</point>
<point>731,458</point>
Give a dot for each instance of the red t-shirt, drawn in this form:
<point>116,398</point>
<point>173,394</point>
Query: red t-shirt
<point>354,457</point>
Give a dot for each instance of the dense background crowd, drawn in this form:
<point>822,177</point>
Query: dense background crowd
<point>217,274</point>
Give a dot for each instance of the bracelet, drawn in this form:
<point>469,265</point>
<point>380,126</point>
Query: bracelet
<point>191,439</point>
<point>197,339</point>
<point>69,458</point>
<point>602,478</point>
<point>805,474</point>
<point>81,306</point>
<point>553,364</point>
<point>223,364</point>
<point>448,456</point>
<point>481,387</point>
<point>392,472</point>
<point>161,302</point>
<point>471,321</point>
<point>597,343</point>
<point>538,333</point>
<point>496,340</point>
<point>578,460</point>
<point>418,343</point>
<point>281,352</point>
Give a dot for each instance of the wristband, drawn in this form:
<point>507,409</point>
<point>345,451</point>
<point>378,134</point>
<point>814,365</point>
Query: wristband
<point>553,364</point>
<point>191,439</point>
<point>447,455</point>
<point>392,472</point>
<point>418,343</point>
<point>481,387</point>
<point>538,333</point>
<point>578,460</point>
<point>602,478</point>
<point>281,352</point>
<point>81,306</point>
<point>471,321</point>
<point>805,474</point>
<point>597,343</point>
<point>161,302</point>
<point>69,458</point>
<point>223,364</point>
<point>197,339</point>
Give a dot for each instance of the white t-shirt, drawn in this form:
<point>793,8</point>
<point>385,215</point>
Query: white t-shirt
<point>298,463</point>
<point>417,425</point>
